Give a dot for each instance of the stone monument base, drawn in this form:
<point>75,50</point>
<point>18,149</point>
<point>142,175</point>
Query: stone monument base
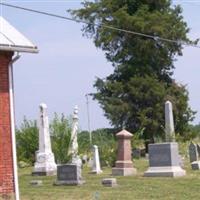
<point>75,182</point>
<point>77,161</point>
<point>44,173</point>
<point>123,171</point>
<point>45,164</point>
<point>195,165</point>
<point>164,161</point>
<point>96,172</point>
<point>69,174</point>
<point>36,182</point>
<point>165,172</point>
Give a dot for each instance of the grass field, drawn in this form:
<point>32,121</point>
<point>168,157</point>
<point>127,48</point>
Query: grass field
<point>130,188</point>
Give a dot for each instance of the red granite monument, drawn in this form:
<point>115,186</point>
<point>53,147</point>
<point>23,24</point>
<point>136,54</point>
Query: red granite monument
<point>11,41</point>
<point>124,164</point>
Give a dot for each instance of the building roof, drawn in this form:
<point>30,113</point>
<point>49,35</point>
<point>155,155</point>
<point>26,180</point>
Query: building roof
<point>12,40</point>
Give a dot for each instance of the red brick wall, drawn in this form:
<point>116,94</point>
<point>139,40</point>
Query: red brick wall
<point>6,162</point>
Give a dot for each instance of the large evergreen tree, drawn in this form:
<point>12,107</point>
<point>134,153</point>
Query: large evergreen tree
<point>133,96</point>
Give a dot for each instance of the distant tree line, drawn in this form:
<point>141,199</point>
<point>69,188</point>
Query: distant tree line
<point>60,130</point>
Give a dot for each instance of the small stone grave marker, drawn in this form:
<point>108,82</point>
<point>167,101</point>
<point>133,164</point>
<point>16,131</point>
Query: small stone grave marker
<point>109,182</point>
<point>96,168</point>
<point>194,156</point>
<point>193,152</point>
<point>36,182</point>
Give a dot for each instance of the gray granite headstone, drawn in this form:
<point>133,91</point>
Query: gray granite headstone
<point>163,155</point>
<point>198,150</point>
<point>193,152</point>
<point>136,153</point>
<point>69,174</point>
<point>194,156</point>
<point>164,161</point>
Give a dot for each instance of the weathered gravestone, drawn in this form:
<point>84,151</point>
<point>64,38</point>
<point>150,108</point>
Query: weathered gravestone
<point>198,150</point>
<point>193,154</point>
<point>109,182</point>
<point>69,174</point>
<point>73,147</point>
<point>124,164</point>
<point>45,163</point>
<point>164,161</point>
<point>96,168</point>
<point>164,158</point>
<point>36,182</point>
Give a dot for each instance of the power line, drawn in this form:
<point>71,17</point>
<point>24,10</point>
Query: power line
<point>156,38</point>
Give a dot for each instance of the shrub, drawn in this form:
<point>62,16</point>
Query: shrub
<point>27,141</point>
<point>84,146</point>
<point>60,130</point>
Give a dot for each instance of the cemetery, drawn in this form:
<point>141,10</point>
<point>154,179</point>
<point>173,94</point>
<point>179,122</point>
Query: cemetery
<point>150,152</point>
<point>165,176</point>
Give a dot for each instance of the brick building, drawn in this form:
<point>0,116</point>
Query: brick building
<point>11,43</point>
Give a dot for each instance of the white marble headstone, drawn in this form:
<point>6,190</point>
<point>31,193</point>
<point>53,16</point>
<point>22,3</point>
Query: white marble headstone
<point>96,162</point>
<point>73,148</point>
<point>45,161</point>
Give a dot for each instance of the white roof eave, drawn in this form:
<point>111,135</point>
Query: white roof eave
<point>18,49</point>
<point>12,40</point>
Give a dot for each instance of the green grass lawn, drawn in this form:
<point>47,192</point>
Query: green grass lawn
<point>130,188</point>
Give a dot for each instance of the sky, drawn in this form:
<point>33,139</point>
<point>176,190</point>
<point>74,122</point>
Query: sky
<point>67,64</point>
